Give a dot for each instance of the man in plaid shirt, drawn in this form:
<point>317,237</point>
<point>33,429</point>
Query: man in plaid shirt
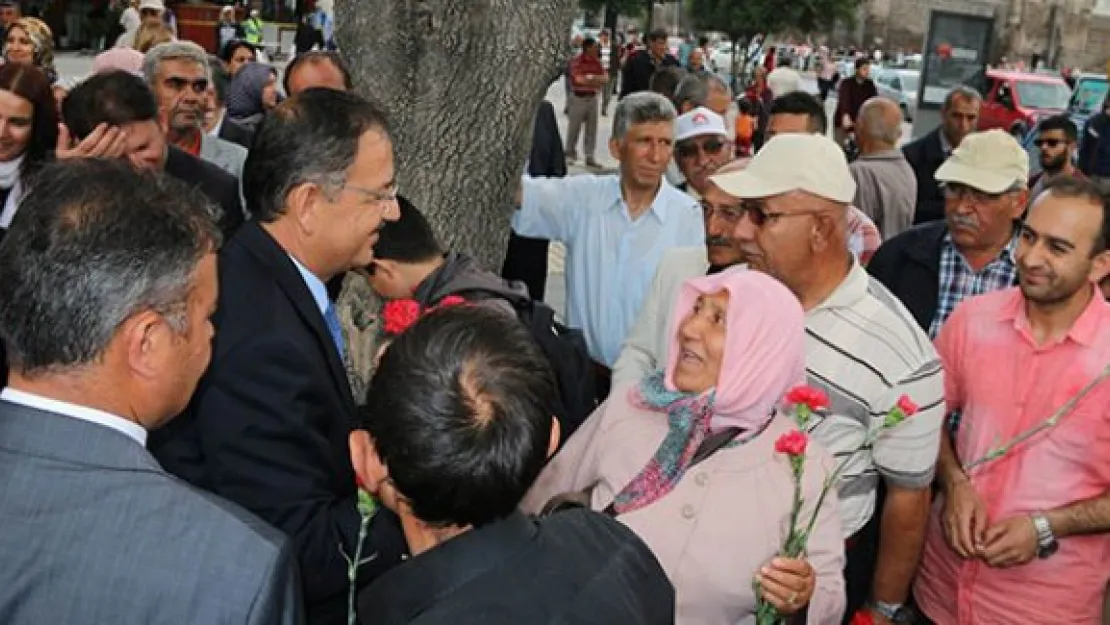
<point>934,266</point>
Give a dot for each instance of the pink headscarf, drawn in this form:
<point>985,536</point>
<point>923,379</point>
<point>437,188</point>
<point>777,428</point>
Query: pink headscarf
<point>125,59</point>
<point>764,353</point>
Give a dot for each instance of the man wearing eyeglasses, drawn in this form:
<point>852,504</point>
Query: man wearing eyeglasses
<point>934,266</point>
<point>178,74</point>
<point>702,147</point>
<point>862,349</point>
<point>1056,140</point>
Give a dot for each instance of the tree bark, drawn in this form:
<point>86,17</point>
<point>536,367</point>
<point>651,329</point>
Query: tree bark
<point>461,81</point>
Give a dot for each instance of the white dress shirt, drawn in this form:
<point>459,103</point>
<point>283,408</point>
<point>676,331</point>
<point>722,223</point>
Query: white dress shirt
<point>611,258</point>
<point>84,413</point>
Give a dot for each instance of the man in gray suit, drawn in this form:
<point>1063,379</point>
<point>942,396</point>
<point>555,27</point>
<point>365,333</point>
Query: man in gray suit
<point>109,280</point>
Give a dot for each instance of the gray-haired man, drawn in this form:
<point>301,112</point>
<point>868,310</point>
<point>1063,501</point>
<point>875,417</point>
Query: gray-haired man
<point>616,227</point>
<point>178,73</point>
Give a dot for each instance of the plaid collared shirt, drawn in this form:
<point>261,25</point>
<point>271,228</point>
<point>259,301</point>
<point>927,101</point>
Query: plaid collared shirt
<point>958,281</point>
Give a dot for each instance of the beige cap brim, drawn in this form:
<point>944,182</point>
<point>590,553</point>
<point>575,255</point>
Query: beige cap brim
<point>743,184</point>
<point>985,181</point>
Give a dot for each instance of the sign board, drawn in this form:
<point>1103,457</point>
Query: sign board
<point>956,50</point>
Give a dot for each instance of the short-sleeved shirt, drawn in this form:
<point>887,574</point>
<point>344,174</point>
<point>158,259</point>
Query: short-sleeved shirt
<point>865,350</point>
<point>611,258</point>
<point>1005,384</point>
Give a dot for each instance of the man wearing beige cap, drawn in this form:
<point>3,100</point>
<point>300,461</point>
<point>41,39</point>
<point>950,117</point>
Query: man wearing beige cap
<point>862,348</point>
<point>934,266</point>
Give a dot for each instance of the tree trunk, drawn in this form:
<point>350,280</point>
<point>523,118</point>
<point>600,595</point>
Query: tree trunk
<point>461,81</point>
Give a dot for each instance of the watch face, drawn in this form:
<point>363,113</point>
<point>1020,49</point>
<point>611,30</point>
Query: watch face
<point>1048,550</point>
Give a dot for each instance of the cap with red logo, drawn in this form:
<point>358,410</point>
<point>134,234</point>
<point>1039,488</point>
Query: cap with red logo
<point>698,122</point>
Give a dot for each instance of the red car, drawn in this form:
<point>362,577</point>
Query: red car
<point>1016,101</point>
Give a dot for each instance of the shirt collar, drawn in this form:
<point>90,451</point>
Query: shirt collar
<point>658,206</point>
<point>219,124</point>
<point>128,428</point>
<point>437,574</point>
<point>315,286</point>
<point>1006,253</point>
<point>885,155</point>
<point>945,146</point>
<point>851,290</point>
<point>1085,329</point>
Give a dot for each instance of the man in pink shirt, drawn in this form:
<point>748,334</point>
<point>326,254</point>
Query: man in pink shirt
<point>1019,534</point>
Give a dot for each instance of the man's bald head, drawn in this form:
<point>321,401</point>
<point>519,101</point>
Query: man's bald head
<point>880,125</point>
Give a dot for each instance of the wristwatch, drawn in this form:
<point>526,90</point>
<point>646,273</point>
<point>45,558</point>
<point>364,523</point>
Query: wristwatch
<point>1046,540</point>
<point>892,612</point>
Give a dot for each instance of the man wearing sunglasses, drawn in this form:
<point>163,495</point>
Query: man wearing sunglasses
<point>179,75</point>
<point>702,147</point>
<point>862,349</point>
<point>1056,140</point>
<point>934,266</point>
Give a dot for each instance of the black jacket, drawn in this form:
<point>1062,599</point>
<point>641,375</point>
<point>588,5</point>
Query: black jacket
<point>637,72</point>
<point>236,133</point>
<point>575,567</point>
<point>215,183</point>
<point>925,157</point>
<point>909,267</point>
<point>268,425</point>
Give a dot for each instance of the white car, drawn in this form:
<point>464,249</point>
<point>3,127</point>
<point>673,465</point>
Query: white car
<point>899,85</point>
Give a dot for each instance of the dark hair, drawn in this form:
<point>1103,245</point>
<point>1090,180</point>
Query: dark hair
<point>409,239</point>
<point>861,61</point>
<point>460,410</point>
<point>802,103</point>
<point>31,84</point>
<point>94,243</point>
<point>221,77</point>
<point>588,42</point>
<point>311,137</point>
<point>114,98</point>
<point>1060,122</point>
<point>1070,187</point>
<point>232,46</point>
<point>665,81</point>
<point>657,35</point>
<point>315,57</point>
<point>703,41</point>
<point>785,62</point>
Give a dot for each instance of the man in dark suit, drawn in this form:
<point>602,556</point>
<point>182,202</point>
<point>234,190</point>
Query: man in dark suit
<point>110,277</point>
<point>959,117</point>
<point>526,258</point>
<point>121,100</point>
<point>268,425</point>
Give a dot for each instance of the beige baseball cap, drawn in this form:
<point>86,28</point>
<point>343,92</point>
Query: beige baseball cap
<point>990,161</point>
<point>793,162</point>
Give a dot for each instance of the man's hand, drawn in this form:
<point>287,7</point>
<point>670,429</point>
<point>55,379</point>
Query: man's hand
<point>788,584</point>
<point>103,142</point>
<point>964,519</point>
<point>1011,542</point>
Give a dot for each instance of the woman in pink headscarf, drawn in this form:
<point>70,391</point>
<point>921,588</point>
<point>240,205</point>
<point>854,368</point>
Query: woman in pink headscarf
<point>716,524</point>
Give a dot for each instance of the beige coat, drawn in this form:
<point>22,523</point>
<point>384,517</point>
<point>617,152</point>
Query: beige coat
<point>724,520</point>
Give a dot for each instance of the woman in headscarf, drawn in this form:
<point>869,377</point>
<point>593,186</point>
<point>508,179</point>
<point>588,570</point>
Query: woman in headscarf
<point>737,347</point>
<point>251,93</point>
<point>30,41</point>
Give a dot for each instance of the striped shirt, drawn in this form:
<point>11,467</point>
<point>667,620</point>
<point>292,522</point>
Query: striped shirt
<point>865,350</point>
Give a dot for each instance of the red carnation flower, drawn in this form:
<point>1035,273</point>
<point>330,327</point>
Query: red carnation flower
<point>451,300</point>
<point>399,315</point>
<point>813,398</point>
<point>863,617</point>
<point>793,443</point>
<point>906,405</point>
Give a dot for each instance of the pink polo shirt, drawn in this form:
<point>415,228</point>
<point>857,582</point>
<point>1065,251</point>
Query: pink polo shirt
<point>1004,384</point>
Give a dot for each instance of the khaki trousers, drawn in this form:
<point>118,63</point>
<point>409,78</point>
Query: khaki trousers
<point>582,110</point>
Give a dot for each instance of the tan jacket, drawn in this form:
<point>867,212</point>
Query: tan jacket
<point>724,519</point>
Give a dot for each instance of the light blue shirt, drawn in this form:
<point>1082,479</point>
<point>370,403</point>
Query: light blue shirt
<point>611,259</point>
<point>315,286</point>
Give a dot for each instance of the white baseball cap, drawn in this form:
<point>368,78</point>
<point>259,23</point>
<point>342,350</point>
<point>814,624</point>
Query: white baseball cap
<point>698,122</point>
<point>990,161</point>
<point>156,5</point>
<point>793,162</point>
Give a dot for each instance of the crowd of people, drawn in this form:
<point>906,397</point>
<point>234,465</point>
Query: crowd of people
<point>244,382</point>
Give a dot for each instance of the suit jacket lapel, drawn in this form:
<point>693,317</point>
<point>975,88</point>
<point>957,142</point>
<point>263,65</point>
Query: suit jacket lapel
<point>289,280</point>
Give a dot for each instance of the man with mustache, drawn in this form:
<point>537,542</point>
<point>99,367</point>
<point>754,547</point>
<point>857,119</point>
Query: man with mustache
<point>1021,537</point>
<point>934,266</point>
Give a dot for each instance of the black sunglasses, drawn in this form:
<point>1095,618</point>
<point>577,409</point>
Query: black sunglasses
<point>712,147</point>
<point>200,85</point>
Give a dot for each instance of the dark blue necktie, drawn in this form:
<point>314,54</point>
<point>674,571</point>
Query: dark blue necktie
<point>334,328</point>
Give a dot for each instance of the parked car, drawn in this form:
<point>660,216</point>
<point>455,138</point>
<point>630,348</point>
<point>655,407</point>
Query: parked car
<point>1015,101</point>
<point>1086,100</point>
<point>899,85</point>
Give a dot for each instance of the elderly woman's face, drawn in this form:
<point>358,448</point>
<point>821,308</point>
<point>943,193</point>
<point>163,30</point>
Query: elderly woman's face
<point>18,47</point>
<point>701,344</point>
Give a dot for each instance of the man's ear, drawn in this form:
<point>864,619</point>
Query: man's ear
<point>364,458</point>
<point>553,441</point>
